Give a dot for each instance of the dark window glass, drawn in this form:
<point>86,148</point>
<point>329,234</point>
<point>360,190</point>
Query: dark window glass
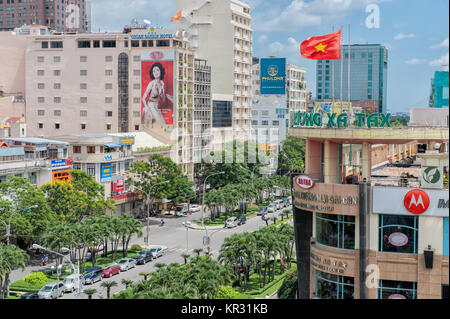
<point>222,114</point>
<point>56,44</point>
<point>84,44</point>
<point>398,234</point>
<point>163,43</point>
<point>44,45</point>
<point>123,92</point>
<point>388,289</point>
<point>109,43</point>
<point>135,43</point>
<point>330,286</point>
<point>96,44</point>
<point>335,231</point>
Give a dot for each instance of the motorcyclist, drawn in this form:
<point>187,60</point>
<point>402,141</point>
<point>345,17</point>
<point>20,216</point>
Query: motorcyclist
<point>162,222</point>
<point>44,260</point>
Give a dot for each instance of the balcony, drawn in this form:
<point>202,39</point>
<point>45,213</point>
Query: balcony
<point>101,158</point>
<point>245,48</point>
<point>237,35</point>
<point>237,58</point>
<point>237,46</point>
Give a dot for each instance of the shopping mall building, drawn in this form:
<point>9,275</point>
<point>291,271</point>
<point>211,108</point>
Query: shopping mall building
<point>373,235</point>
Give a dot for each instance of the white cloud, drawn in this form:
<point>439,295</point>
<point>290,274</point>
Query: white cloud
<point>262,39</point>
<point>276,48</point>
<point>402,36</point>
<point>443,60</point>
<point>416,61</point>
<point>443,44</point>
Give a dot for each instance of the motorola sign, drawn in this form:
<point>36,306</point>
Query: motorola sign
<point>416,202</point>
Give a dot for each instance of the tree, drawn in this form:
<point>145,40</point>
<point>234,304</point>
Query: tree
<point>130,227</point>
<point>289,287</point>
<point>127,283</point>
<point>108,285</point>
<point>11,257</point>
<point>197,252</point>
<point>292,155</point>
<point>185,257</point>
<point>90,292</point>
<point>145,274</point>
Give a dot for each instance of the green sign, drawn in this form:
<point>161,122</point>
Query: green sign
<point>431,175</point>
<point>334,120</point>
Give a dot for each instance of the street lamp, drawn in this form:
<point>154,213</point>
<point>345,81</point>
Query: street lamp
<point>148,210</point>
<point>187,225</point>
<point>203,199</point>
<point>290,160</point>
<point>8,226</point>
<point>75,271</point>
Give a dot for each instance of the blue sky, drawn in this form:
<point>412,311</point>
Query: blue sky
<point>414,31</point>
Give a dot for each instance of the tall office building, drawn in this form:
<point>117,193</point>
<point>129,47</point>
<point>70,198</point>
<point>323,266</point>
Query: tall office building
<point>59,15</point>
<point>439,90</point>
<point>221,33</point>
<point>368,76</point>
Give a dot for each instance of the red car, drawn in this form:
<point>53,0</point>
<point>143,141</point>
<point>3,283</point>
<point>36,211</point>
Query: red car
<point>111,270</point>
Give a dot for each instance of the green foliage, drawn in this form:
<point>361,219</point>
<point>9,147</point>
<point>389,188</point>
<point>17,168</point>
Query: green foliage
<point>289,288</point>
<point>36,278</point>
<point>292,155</point>
<point>227,292</point>
<point>11,258</point>
<point>154,149</point>
<point>136,247</point>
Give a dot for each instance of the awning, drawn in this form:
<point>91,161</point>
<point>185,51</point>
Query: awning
<point>113,145</point>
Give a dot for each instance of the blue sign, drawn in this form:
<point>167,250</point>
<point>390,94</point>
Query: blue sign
<point>58,163</point>
<point>105,172</point>
<point>445,248</point>
<point>273,76</point>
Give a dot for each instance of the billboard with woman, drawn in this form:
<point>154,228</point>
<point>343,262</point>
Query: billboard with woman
<point>157,88</point>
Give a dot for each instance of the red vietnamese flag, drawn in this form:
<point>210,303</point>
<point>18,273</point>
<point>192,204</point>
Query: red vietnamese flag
<point>177,16</point>
<point>326,47</point>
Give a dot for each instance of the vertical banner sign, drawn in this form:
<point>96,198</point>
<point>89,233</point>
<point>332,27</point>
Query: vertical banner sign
<point>273,76</point>
<point>157,86</point>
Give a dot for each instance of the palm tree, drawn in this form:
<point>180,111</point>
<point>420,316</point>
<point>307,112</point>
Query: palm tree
<point>185,257</point>
<point>145,274</point>
<point>11,257</point>
<point>108,285</point>
<point>126,282</point>
<point>198,251</point>
<point>90,292</point>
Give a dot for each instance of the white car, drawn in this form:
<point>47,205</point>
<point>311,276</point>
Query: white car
<point>272,208</point>
<point>156,252</point>
<point>194,208</point>
<point>231,222</point>
<point>52,291</point>
<point>70,283</point>
<point>127,263</point>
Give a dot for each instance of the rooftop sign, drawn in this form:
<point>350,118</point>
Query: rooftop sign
<point>335,120</point>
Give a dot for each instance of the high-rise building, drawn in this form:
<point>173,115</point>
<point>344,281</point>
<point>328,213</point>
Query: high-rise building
<point>439,90</point>
<point>59,15</point>
<point>368,75</point>
<point>221,33</point>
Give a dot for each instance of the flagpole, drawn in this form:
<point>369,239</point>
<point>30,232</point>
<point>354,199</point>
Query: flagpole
<point>349,57</point>
<point>342,70</point>
<point>332,80</point>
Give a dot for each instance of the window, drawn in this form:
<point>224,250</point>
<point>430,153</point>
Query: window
<point>56,44</point>
<point>162,43</point>
<point>41,99</point>
<point>56,72</point>
<point>57,99</point>
<point>264,123</point>
<point>109,114</point>
<point>388,289</point>
<point>108,58</point>
<point>90,169</point>
<point>40,72</point>
<point>137,100</point>
<point>83,99</point>
<point>136,72</point>
<point>335,231</point>
<point>83,113</point>
<point>91,149</point>
<point>57,86</point>
<point>137,114</point>
<point>397,234</point>
<point>41,125</point>
<point>276,123</point>
<point>84,44</point>
<point>83,58</point>
<point>108,86</point>
<point>108,72</point>
<point>108,100</point>
<point>44,45</point>
<point>83,126</point>
<point>40,59</point>
<point>330,286</point>
<point>136,58</point>
<point>265,113</point>
<point>136,86</point>
<point>255,123</point>
<point>136,127</point>
<point>57,126</point>
<point>41,86</point>
<point>41,112</point>
<point>57,112</point>
<point>96,44</point>
<point>135,43</point>
<point>108,127</point>
<point>109,43</point>
<point>83,72</point>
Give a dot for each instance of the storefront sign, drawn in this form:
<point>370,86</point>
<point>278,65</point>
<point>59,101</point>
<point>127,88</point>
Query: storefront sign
<point>105,172</point>
<point>304,181</point>
<point>432,177</point>
<point>329,265</point>
<point>118,186</point>
<point>61,163</point>
<point>273,76</point>
<point>108,157</point>
<point>407,201</point>
<point>328,198</point>
<point>65,175</point>
<point>126,141</point>
<point>398,239</point>
<point>335,120</point>
<point>396,296</point>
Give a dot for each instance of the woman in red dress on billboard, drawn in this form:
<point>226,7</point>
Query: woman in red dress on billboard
<point>158,106</point>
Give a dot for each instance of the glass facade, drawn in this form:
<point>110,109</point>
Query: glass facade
<point>388,289</point>
<point>335,231</point>
<point>398,234</point>
<point>330,286</point>
<point>222,114</point>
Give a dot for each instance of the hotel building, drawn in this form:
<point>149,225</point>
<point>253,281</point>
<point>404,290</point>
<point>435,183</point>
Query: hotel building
<point>382,235</point>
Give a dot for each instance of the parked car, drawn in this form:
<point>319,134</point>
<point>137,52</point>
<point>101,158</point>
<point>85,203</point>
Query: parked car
<point>195,208</point>
<point>127,263</point>
<point>70,283</point>
<point>156,252</point>
<point>92,269</point>
<point>262,211</point>
<point>143,257</point>
<point>231,222</point>
<point>182,209</point>
<point>287,202</point>
<point>111,270</point>
<point>279,203</point>
<point>52,291</point>
<point>241,220</point>
<point>97,249</point>
<point>30,295</point>
<point>271,208</point>
<point>93,277</point>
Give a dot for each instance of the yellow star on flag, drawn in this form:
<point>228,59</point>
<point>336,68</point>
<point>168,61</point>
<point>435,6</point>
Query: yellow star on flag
<point>320,47</point>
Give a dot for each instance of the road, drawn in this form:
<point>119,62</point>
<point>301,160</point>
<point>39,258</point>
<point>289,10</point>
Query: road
<point>177,240</point>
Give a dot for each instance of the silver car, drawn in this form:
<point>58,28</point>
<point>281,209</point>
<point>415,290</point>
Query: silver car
<point>156,252</point>
<point>70,283</point>
<point>231,222</point>
<point>127,263</point>
<point>52,291</point>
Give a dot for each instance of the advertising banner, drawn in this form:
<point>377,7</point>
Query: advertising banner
<point>105,172</point>
<point>61,163</point>
<point>410,201</point>
<point>157,85</point>
<point>273,76</point>
<point>65,175</point>
<point>330,107</point>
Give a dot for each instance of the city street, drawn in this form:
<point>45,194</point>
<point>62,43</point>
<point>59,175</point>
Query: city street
<point>176,240</point>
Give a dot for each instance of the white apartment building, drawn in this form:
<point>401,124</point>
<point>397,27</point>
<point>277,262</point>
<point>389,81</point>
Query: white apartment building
<point>221,33</point>
<point>93,83</point>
